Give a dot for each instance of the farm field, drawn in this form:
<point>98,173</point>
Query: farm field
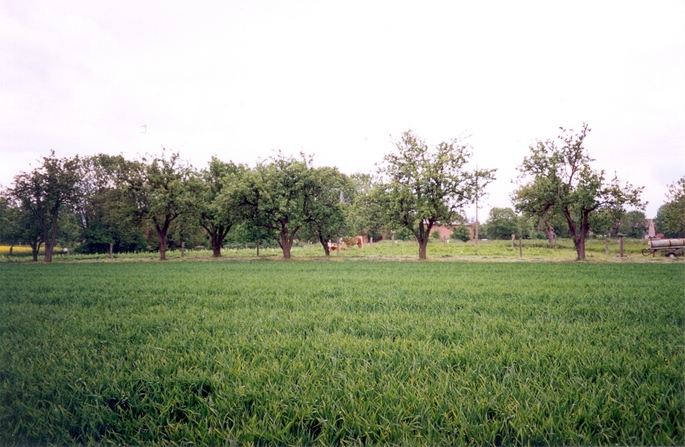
<point>305,352</point>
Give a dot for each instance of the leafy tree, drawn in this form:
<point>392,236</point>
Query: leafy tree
<point>539,200</point>
<point>103,214</point>
<point>561,180</point>
<point>461,233</point>
<point>634,224</point>
<point>424,187</point>
<point>364,213</point>
<point>278,195</point>
<point>10,216</point>
<point>158,192</point>
<point>327,217</point>
<point>670,218</point>
<point>217,211</point>
<point>501,223</point>
<point>246,232</point>
<point>43,194</point>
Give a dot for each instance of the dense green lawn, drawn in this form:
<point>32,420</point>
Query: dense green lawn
<point>304,352</point>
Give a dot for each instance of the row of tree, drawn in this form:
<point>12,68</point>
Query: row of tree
<point>110,203</point>
<point>504,222</point>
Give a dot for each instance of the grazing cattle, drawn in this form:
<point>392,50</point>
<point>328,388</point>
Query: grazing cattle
<point>334,247</point>
<point>357,240</point>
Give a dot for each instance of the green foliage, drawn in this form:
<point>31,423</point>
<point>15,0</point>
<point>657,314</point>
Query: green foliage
<point>561,181</point>
<point>328,206</point>
<point>43,195</point>
<point>423,187</point>
<point>216,207</point>
<point>364,214</point>
<point>633,225</point>
<point>284,195</point>
<point>157,192</point>
<point>501,223</point>
<point>670,218</point>
<point>101,210</point>
<point>333,353</point>
<point>461,233</point>
<point>10,217</point>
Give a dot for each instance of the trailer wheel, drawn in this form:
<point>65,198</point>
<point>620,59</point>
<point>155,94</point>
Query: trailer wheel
<point>671,255</point>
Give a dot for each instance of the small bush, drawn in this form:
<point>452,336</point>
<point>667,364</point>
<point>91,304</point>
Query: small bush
<point>462,234</point>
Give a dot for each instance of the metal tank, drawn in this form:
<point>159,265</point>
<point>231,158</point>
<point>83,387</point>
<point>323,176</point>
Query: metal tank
<point>665,243</point>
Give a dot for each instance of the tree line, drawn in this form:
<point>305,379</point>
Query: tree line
<point>105,202</point>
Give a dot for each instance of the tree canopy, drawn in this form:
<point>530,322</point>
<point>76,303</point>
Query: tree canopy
<point>558,178</point>
<point>670,218</point>
<point>422,187</point>
<point>103,202</point>
<point>279,196</point>
<point>42,195</point>
<point>215,204</point>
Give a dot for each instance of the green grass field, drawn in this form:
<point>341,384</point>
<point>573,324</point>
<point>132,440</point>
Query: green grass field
<point>532,250</point>
<point>350,352</point>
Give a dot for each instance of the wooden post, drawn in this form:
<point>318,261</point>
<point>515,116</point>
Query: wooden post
<point>476,224</point>
<point>620,244</point>
<point>257,247</point>
<point>513,239</point>
<point>521,247</point>
<point>111,250</point>
<point>183,249</point>
<point>606,246</point>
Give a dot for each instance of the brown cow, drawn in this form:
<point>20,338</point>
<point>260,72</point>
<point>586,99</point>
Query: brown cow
<point>357,240</point>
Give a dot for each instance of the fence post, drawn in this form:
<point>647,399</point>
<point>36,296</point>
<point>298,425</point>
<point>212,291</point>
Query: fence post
<point>183,249</point>
<point>521,247</point>
<point>513,238</point>
<point>606,246</point>
<point>620,244</point>
<point>111,250</point>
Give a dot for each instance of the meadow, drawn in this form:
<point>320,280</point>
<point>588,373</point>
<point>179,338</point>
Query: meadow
<point>342,352</point>
<point>496,250</point>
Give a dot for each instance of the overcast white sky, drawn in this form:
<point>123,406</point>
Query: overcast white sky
<point>341,80</point>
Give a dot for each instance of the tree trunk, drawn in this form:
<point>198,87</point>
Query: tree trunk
<point>285,243</point>
<point>549,229</point>
<point>422,237</point>
<point>579,242</point>
<point>324,244</point>
<point>286,251</point>
<point>550,234</point>
<point>52,240</point>
<point>162,245</point>
<point>216,244</point>
<point>423,245</point>
<point>578,234</point>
